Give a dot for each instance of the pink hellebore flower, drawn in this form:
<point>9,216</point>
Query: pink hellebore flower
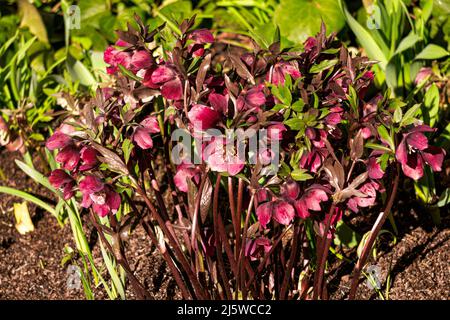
<point>280,70</point>
<point>88,157</point>
<point>422,75</point>
<point>167,79</point>
<point>200,37</point>
<point>257,248</point>
<point>61,180</point>
<point>142,133</point>
<point>58,140</point>
<point>222,157</point>
<point>184,173</point>
<point>374,168</point>
<point>413,151</point>
<point>100,196</point>
<point>275,131</point>
<point>252,99</point>
<point>370,190</point>
<point>141,60</point>
<point>114,58</point>
<point>281,211</point>
<point>203,117</point>
<point>69,157</point>
<point>310,201</point>
<point>218,102</point>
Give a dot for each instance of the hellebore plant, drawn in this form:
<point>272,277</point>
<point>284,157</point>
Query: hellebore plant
<point>230,220</point>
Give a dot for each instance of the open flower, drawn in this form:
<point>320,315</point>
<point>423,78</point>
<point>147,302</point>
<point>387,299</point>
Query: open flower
<point>61,180</point>
<point>142,133</point>
<point>99,195</point>
<point>184,173</point>
<point>203,117</point>
<point>281,211</point>
<point>252,99</point>
<point>374,168</point>
<point>413,152</point>
<point>115,57</point>
<point>257,248</point>
<point>367,198</point>
<point>310,201</point>
<point>199,37</point>
<point>222,156</point>
<point>166,78</point>
<point>280,70</point>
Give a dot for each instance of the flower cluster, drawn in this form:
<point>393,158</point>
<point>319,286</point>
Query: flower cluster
<point>76,162</point>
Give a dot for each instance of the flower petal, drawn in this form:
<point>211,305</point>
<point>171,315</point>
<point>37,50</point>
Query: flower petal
<point>58,141</point>
<point>202,117</point>
<point>374,169</point>
<point>434,156</point>
<point>172,90</point>
<point>264,213</point>
<point>417,140</point>
<point>90,185</point>
<point>162,74</point>
<point>283,212</point>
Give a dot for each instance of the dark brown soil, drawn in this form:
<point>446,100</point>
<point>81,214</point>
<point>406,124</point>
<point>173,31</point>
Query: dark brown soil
<point>30,265</point>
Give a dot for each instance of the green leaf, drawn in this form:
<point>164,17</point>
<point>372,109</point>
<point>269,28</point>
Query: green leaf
<point>127,147</point>
<point>79,72</point>
<point>299,19</point>
<point>294,124</point>
<point>384,134</point>
<point>430,106</point>
<point>432,52</point>
<point>29,197</point>
<point>33,20</point>
<point>35,175</point>
<point>364,38</point>
<point>324,65</point>
<point>300,175</point>
<point>297,106</point>
<point>408,118</point>
<point>444,199</point>
<point>410,40</point>
<point>345,236</point>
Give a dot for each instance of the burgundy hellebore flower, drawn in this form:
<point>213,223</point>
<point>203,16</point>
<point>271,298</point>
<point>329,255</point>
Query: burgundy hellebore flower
<point>370,190</point>
<point>413,151</point>
<point>310,201</point>
<point>257,248</point>
<point>69,157</point>
<point>374,168</point>
<point>203,117</point>
<point>252,99</point>
<point>186,171</point>
<point>141,60</point>
<point>218,102</point>
<point>61,180</point>
<point>166,78</point>
<point>199,37</point>
<point>222,157</point>
<point>280,70</point>
<point>58,140</point>
<point>280,210</point>
<point>142,133</point>
<point>114,58</point>
<point>88,157</point>
<point>100,196</point>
